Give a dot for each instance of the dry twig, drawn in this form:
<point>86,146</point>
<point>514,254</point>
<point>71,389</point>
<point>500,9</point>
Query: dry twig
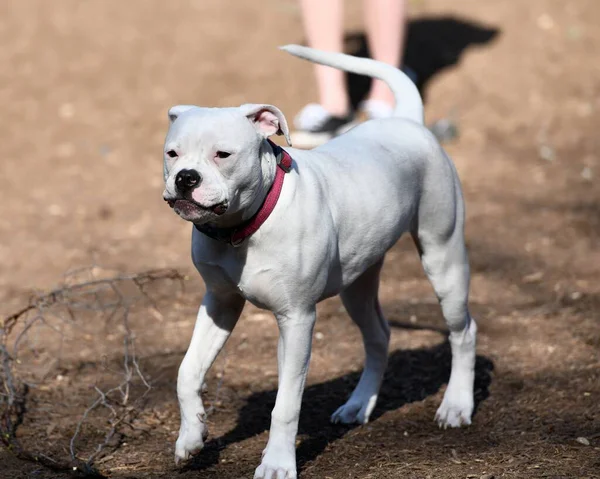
<point>106,296</point>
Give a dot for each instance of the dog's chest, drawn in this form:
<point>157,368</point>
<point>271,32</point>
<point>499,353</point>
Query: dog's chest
<point>252,277</point>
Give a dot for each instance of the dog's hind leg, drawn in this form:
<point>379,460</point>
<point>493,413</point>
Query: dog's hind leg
<point>360,300</point>
<point>440,240</point>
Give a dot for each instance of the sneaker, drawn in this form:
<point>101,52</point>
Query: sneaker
<point>377,109</point>
<point>315,126</point>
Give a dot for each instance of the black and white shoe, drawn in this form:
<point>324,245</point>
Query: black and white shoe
<point>315,126</point>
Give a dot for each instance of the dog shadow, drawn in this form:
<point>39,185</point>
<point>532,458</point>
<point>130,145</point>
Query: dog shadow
<point>411,376</point>
<point>432,45</point>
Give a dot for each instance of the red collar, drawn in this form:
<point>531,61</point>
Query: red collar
<point>237,234</point>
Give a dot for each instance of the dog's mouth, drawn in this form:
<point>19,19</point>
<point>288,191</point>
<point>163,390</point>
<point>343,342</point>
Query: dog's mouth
<point>189,207</point>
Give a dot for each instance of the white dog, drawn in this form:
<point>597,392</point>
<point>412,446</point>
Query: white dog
<point>285,229</point>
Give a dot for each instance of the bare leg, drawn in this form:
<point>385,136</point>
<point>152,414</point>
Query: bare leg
<point>386,32</point>
<point>323,24</point>
<point>295,340</point>
<point>216,319</point>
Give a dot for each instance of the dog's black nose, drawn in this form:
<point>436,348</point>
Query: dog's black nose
<point>187,180</point>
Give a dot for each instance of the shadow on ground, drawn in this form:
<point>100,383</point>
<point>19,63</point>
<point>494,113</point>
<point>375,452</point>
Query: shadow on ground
<point>433,44</point>
<point>412,375</point>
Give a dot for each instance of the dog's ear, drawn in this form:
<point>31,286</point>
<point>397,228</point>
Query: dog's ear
<point>267,119</point>
<point>177,110</point>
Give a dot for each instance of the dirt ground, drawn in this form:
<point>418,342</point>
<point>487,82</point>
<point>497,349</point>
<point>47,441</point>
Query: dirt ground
<point>84,92</point>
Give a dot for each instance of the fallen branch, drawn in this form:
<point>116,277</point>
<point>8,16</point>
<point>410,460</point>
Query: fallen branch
<point>103,295</point>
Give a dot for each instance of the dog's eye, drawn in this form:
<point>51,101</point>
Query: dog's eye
<point>172,154</point>
<point>223,154</point>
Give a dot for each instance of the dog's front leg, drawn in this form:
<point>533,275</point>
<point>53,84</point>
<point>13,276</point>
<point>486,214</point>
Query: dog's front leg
<point>293,353</point>
<point>216,318</point>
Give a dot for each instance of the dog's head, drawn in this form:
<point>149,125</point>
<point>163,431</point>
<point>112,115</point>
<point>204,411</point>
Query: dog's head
<point>212,159</point>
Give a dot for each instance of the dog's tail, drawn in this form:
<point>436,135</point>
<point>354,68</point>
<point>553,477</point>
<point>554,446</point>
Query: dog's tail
<point>408,100</point>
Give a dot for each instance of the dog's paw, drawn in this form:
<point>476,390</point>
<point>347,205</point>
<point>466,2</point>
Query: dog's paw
<point>455,410</point>
<point>266,471</point>
<point>355,411</point>
<point>190,441</point>
<point>277,463</point>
